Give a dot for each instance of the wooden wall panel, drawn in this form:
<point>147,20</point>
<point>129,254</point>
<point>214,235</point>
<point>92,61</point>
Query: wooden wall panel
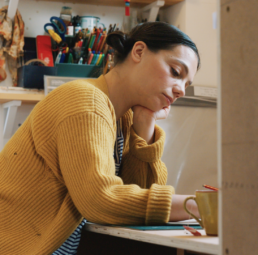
<point>239,126</point>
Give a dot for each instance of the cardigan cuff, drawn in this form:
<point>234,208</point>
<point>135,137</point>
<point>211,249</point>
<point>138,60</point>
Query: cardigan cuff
<point>144,152</point>
<point>159,204</point>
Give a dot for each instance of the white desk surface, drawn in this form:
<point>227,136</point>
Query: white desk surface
<point>172,238</point>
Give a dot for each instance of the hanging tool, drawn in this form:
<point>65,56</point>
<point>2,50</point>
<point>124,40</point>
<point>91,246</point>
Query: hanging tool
<point>57,34</point>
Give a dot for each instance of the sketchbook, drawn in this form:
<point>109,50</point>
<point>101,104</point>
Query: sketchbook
<point>189,222</point>
<point>178,225</point>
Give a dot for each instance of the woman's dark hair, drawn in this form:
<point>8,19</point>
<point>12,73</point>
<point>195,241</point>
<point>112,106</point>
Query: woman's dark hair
<point>156,35</point>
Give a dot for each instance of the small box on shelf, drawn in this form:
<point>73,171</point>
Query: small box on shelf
<point>33,76</point>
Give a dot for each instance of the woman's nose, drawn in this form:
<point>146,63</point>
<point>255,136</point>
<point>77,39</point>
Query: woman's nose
<point>179,90</point>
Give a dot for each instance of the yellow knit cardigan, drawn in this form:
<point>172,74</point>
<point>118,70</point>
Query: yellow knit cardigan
<point>59,167</point>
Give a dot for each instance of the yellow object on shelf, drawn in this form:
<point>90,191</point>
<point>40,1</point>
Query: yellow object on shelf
<point>54,35</point>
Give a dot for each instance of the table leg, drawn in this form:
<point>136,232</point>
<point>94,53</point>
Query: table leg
<point>180,252</point>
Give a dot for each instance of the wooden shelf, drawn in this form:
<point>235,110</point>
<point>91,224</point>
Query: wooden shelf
<point>28,97</point>
<point>133,3</point>
<point>171,238</point>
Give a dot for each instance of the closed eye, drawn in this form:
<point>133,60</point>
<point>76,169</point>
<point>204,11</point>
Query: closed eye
<point>174,72</point>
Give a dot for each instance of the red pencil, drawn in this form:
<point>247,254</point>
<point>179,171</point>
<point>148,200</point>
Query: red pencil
<point>193,231</point>
<point>100,41</point>
<point>210,187</point>
<point>96,39</point>
<point>90,59</point>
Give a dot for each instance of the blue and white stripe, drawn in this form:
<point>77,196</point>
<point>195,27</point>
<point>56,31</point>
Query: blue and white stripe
<point>119,144</point>
<point>70,246</point>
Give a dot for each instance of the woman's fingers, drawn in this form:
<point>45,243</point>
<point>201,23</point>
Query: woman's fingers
<point>163,113</point>
<point>159,115</point>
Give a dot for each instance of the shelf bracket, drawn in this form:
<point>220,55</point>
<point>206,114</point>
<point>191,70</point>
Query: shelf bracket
<point>10,117</point>
<point>154,9</point>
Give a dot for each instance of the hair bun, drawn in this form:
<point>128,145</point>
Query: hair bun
<point>119,42</point>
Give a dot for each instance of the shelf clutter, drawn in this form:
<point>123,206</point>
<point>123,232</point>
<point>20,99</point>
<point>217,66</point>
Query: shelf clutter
<point>72,46</point>
<point>134,3</point>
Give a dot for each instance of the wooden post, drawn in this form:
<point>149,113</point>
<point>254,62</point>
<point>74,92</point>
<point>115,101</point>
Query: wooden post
<point>238,127</point>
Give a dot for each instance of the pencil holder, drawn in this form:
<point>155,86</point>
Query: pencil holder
<point>78,53</point>
<point>75,70</point>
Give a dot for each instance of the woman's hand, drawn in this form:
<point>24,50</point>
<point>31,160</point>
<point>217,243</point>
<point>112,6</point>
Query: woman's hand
<point>144,121</point>
<point>178,212</point>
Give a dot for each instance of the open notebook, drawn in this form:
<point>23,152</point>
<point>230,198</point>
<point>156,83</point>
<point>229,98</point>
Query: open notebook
<point>190,222</point>
<point>178,225</point>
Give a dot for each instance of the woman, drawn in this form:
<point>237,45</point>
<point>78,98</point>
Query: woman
<point>59,167</point>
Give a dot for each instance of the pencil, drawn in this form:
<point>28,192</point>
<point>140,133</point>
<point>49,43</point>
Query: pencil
<point>101,60</point>
<point>92,41</point>
<point>90,59</point>
<point>99,43</point>
<point>98,60</point>
<point>96,40</point>
<point>210,187</point>
<point>102,43</point>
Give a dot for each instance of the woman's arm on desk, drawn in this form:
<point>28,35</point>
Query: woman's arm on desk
<point>144,127</point>
<point>177,208</point>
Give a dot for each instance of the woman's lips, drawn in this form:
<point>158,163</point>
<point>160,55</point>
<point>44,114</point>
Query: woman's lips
<point>169,99</point>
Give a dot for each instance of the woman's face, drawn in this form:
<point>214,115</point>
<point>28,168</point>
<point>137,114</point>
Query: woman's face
<point>162,77</point>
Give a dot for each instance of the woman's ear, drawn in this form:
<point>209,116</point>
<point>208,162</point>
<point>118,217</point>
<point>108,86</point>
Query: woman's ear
<point>138,51</point>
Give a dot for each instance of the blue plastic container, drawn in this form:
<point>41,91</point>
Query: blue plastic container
<point>75,70</point>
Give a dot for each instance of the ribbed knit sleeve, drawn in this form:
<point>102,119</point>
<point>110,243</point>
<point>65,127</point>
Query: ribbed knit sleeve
<point>142,163</point>
<point>148,153</point>
<point>85,147</point>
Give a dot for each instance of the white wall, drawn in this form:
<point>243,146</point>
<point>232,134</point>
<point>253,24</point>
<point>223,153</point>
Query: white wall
<point>195,18</point>
<point>190,151</point>
<point>175,15</point>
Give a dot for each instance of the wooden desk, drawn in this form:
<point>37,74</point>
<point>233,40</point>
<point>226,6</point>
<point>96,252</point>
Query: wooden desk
<point>164,241</point>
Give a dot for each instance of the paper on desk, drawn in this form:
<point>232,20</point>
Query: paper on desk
<point>184,222</point>
<point>178,225</point>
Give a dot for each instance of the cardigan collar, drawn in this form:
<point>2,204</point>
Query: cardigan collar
<point>100,83</point>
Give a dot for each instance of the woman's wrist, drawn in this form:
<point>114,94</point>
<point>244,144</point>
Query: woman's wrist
<point>145,129</point>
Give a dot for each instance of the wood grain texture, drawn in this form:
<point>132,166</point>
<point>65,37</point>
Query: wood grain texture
<point>239,124</point>
<point>171,238</point>
<point>28,98</point>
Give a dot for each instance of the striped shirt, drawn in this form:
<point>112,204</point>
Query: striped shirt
<point>70,246</point>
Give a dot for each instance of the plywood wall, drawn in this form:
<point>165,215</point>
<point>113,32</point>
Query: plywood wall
<point>239,126</point>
